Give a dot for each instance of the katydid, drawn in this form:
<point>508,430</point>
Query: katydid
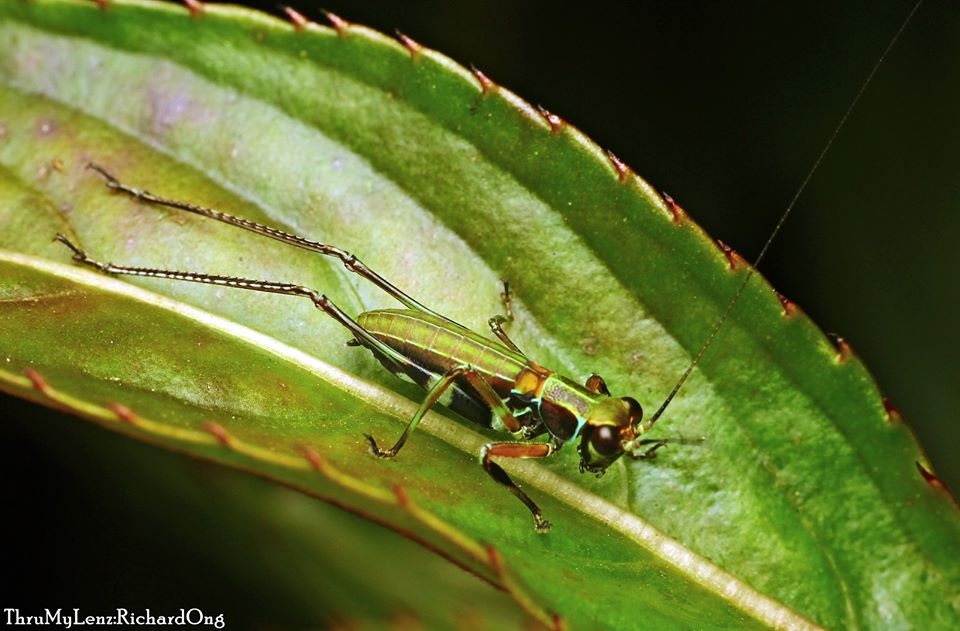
<point>490,381</point>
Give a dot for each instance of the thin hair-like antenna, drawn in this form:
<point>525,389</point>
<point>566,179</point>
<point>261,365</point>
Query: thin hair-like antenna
<point>783,218</point>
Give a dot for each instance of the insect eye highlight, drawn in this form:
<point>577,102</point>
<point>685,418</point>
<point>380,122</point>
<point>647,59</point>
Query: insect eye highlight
<point>605,440</point>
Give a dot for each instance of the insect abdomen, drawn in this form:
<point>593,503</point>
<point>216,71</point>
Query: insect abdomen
<point>438,345</point>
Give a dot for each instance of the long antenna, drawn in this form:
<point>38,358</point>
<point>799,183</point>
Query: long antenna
<point>783,218</point>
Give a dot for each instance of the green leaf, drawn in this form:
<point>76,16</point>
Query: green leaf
<point>297,563</point>
<point>804,494</point>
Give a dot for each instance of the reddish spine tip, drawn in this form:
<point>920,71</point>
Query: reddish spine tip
<point>219,432</point>
<point>893,414</point>
<point>195,7</point>
<point>789,306</point>
<point>296,18</point>
<point>317,463</point>
<point>733,257</point>
<point>494,560</point>
<point>103,4</point>
<point>619,165</point>
<point>402,498</point>
<point>486,85</point>
<point>123,413</point>
<point>410,44</point>
<point>552,119</point>
<point>843,348</point>
<point>39,383</point>
<point>338,23</point>
<point>678,212</point>
<point>930,478</point>
<point>558,622</point>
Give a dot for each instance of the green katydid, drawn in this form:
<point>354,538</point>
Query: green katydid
<point>489,381</point>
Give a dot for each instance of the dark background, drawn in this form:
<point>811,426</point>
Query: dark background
<point>724,106</point>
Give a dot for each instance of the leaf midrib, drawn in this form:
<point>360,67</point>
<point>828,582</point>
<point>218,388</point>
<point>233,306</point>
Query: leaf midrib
<point>637,531</point>
<point>699,281</point>
<point>791,376</point>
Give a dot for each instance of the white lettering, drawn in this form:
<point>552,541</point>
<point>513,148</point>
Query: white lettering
<point>52,617</point>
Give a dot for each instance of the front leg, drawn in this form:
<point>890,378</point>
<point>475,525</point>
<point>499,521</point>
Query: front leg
<point>657,443</point>
<point>597,385</point>
<point>651,453</point>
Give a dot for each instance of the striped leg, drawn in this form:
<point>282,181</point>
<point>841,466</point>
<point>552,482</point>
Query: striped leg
<point>319,300</point>
<point>349,261</point>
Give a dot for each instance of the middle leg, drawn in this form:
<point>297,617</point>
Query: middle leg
<point>487,394</point>
<point>496,322</point>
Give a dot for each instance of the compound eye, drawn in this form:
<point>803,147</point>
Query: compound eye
<point>605,440</point>
<point>634,410</point>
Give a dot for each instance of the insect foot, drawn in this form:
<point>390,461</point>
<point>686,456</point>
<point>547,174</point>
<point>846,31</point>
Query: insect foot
<point>598,470</point>
<point>386,454</point>
<point>111,182</point>
<point>542,525</point>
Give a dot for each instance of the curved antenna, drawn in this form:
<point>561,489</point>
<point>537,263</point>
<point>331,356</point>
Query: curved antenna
<point>783,218</point>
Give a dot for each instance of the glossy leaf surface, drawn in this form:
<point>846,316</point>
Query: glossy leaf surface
<point>444,186</point>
